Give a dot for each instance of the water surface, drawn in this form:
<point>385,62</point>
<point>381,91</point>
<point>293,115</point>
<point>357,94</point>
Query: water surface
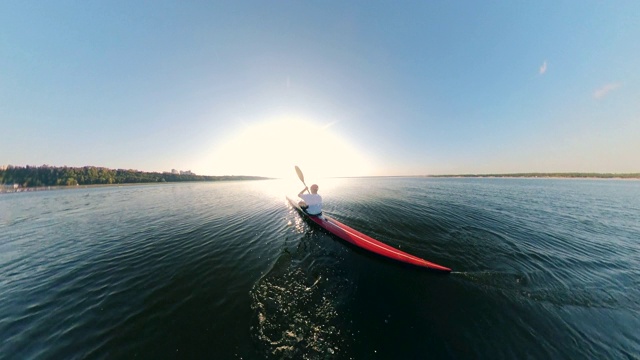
<point>542,269</point>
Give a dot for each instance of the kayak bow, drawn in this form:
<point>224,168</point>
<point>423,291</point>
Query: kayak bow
<point>366,242</point>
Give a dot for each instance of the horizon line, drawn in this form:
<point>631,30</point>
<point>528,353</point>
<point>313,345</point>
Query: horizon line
<point>513,174</point>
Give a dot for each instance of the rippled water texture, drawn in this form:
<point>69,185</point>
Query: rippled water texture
<point>542,269</point>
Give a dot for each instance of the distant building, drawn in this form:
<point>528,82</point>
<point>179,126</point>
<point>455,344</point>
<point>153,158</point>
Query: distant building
<point>175,172</point>
<point>188,172</point>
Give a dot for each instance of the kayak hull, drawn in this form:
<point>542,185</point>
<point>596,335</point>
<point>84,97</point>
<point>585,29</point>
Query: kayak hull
<point>366,242</point>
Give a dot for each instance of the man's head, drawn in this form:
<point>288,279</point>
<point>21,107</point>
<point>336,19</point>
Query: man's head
<point>314,189</point>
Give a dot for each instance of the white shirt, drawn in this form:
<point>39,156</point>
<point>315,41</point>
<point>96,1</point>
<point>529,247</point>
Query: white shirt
<point>314,201</point>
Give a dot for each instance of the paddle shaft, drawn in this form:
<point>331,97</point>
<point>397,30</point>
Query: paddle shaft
<point>301,177</point>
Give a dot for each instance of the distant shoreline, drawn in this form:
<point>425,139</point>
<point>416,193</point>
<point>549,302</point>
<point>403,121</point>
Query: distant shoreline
<point>512,176</point>
<point>592,176</point>
<point>45,177</point>
<point>88,186</point>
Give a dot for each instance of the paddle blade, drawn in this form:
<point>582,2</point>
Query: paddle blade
<point>300,174</point>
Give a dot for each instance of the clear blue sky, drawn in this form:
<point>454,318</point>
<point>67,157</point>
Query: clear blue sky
<point>394,88</point>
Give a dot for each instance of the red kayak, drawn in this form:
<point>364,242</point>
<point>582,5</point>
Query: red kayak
<point>364,241</point>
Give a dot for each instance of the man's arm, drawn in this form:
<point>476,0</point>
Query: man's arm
<point>303,190</point>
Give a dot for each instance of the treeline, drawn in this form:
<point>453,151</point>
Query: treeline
<point>36,176</point>
<point>552,175</point>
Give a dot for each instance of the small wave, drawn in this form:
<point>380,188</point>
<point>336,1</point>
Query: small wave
<point>297,307</point>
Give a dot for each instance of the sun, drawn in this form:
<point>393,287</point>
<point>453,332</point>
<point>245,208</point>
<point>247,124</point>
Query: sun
<point>271,148</point>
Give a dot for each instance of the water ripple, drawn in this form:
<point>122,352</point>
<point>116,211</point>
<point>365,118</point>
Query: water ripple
<point>551,269</point>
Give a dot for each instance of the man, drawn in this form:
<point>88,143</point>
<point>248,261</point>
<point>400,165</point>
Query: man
<point>311,203</point>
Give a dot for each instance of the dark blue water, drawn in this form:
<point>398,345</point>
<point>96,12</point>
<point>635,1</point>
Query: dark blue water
<point>542,269</point>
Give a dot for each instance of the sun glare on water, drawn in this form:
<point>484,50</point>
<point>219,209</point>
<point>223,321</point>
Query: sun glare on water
<point>272,148</point>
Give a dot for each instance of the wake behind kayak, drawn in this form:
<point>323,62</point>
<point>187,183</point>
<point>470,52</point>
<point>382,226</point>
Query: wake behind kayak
<point>366,242</point>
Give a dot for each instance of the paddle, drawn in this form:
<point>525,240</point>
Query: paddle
<point>301,177</point>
